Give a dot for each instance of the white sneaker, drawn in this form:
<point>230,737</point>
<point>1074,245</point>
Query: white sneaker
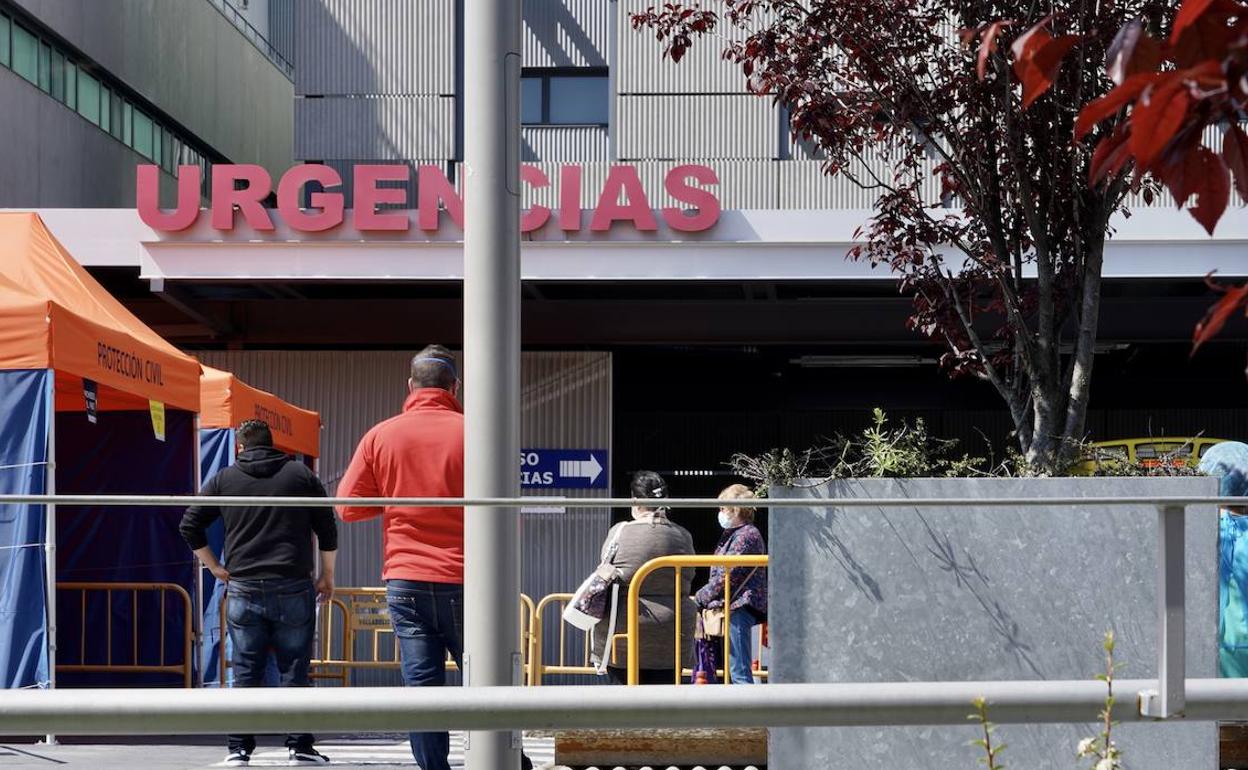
<point>237,758</point>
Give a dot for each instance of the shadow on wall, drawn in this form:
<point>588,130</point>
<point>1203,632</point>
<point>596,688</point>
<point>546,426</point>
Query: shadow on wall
<point>557,29</point>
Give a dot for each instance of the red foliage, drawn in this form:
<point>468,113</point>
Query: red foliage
<point>1233,298</point>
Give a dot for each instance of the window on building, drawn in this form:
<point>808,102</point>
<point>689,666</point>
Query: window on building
<point>127,124</point>
<point>115,120</point>
<point>143,143</point>
<point>106,113</point>
<point>71,85</point>
<point>45,66</point>
<point>564,97</point>
<point>4,40</point>
<point>89,97</point>
<point>157,142</point>
<point>25,54</point>
<point>531,100</point>
<point>58,76</point>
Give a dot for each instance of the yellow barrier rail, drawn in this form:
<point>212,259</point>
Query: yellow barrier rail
<point>679,563</point>
<point>184,668</point>
<point>538,669</point>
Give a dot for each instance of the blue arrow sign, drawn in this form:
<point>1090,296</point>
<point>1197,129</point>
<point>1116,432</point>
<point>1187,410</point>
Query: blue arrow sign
<point>563,469</point>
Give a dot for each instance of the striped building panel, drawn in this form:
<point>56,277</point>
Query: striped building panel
<point>375,47</point>
<point>804,184</point>
<point>566,33</point>
<point>375,127</point>
<point>566,144</point>
<point>706,126</point>
<point>643,69</point>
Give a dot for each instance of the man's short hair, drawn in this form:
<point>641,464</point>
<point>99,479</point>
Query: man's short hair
<point>434,367</point>
<point>254,433</point>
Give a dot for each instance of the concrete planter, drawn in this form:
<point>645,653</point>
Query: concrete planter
<point>917,594</point>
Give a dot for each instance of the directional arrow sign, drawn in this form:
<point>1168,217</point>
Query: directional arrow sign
<point>563,469</point>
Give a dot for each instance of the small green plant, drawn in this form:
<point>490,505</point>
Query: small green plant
<point>1101,749</point>
<point>992,753</point>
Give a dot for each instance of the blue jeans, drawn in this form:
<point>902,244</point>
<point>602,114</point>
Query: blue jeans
<point>428,620</point>
<point>741,624</point>
<point>278,615</point>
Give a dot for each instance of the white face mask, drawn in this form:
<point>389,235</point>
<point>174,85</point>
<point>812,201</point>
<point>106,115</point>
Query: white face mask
<point>726,520</point>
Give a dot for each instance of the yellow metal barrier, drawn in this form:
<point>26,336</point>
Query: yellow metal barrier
<point>537,666</point>
<point>363,611</point>
<point>679,563</point>
<point>134,666</point>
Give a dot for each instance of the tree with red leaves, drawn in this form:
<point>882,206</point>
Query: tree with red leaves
<point>1166,95</point>
<point>960,115</point>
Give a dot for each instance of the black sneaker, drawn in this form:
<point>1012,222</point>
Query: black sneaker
<point>301,757</point>
<point>237,758</point>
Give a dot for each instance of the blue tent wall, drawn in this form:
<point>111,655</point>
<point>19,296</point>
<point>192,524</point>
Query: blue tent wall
<point>216,452</point>
<point>26,403</point>
<point>120,455</point>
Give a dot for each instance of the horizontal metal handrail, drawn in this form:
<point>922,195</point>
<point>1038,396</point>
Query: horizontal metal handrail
<point>399,709</point>
<point>174,501</point>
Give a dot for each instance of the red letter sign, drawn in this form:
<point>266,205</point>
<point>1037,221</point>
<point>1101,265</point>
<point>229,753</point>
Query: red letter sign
<point>433,191</point>
<point>570,199</point>
<point>705,201</point>
<point>368,195</point>
<point>147,198</point>
<point>248,199</point>
<point>537,216</point>
<point>327,207</point>
<point>635,209</point>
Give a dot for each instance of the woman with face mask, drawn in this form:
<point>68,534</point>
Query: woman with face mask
<point>747,586</point>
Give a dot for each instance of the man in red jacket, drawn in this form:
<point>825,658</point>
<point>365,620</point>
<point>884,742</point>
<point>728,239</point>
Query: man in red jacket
<point>420,453</point>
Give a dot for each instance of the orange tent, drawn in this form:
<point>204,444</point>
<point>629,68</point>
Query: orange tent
<point>58,327</point>
<point>225,401</point>
<point>53,315</point>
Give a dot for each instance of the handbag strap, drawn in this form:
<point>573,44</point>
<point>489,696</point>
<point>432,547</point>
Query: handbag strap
<point>728,576</point>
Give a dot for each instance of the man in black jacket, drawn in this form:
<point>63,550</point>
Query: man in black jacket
<point>268,570</point>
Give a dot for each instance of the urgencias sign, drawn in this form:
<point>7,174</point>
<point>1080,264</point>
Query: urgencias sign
<point>241,189</point>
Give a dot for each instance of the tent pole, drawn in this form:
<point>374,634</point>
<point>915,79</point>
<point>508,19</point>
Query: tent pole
<point>198,620</point>
<point>49,545</point>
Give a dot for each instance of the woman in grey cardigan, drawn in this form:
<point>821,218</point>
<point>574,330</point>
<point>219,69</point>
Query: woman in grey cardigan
<point>648,536</point>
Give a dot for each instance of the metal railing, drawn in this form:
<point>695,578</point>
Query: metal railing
<point>262,44</point>
<point>1169,696</point>
<point>679,564</point>
<point>135,664</point>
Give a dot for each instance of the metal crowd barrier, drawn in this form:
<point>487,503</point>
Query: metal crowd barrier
<point>135,664</point>
<point>1170,696</point>
<point>363,614</point>
<point>679,563</point>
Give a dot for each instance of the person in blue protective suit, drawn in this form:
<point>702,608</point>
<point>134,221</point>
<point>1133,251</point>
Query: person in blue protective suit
<point>1229,461</point>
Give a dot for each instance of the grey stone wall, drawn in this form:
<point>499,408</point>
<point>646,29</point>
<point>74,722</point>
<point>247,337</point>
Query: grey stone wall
<point>915,594</point>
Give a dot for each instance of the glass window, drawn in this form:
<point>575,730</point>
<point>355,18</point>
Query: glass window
<point>71,85</point>
<point>45,66</point>
<point>25,54</point>
<point>169,158</point>
<point>578,100</point>
<point>4,40</point>
<point>89,97</point>
<point>115,109</point>
<point>106,113</point>
<point>58,76</point>
<point>530,100</point>
<point>143,143</point>
<point>157,144</point>
<point>127,124</point>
